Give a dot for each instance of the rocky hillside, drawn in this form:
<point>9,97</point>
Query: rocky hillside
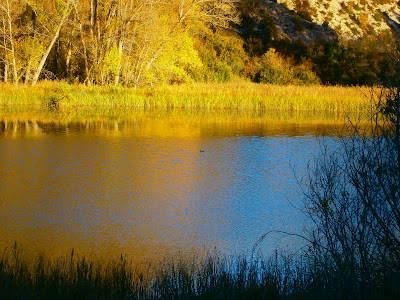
<point>327,35</point>
<point>327,20</point>
<point>350,19</point>
<point>292,26</point>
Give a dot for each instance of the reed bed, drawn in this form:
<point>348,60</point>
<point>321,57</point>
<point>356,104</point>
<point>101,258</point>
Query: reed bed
<point>237,95</point>
<point>212,277</point>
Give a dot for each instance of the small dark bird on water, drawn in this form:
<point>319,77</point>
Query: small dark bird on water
<point>201,150</point>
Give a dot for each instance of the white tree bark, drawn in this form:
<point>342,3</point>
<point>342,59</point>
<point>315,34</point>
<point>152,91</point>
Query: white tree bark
<point>10,34</point>
<point>52,42</point>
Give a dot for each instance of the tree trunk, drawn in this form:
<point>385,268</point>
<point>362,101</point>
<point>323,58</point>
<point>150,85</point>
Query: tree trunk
<point>94,32</point>
<point>5,72</point>
<point>52,42</point>
<point>27,73</point>
<point>85,52</point>
<point>68,61</point>
<point>11,39</point>
<point>120,48</point>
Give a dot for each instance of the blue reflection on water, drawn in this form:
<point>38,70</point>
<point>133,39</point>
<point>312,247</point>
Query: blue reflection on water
<point>153,194</point>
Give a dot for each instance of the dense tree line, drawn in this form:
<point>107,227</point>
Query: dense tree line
<point>104,41</point>
<point>366,61</point>
<point>137,43</point>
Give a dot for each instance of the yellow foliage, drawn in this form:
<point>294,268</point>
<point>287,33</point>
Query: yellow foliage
<point>178,58</point>
<point>274,60</point>
<point>364,19</point>
<point>112,61</point>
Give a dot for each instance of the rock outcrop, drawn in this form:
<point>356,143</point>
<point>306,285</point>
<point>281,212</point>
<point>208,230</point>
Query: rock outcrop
<point>351,19</point>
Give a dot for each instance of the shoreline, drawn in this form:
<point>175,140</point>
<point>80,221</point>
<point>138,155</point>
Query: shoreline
<point>75,276</point>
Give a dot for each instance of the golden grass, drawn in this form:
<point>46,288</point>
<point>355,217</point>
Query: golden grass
<point>270,97</point>
<point>238,95</point>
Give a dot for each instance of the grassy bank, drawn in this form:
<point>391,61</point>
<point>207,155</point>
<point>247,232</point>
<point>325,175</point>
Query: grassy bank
<point>76,277</point>
<point>241,95</point>
<point>213,277</point>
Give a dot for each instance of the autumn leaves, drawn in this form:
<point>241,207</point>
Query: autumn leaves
<point>104,42</point>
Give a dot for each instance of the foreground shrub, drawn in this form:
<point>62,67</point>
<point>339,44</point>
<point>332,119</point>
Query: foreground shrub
<point>212,277</point>
<point>353,201</point>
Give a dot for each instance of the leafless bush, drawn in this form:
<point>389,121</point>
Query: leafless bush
<point>353,199</point>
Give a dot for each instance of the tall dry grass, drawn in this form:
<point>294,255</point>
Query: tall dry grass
<point>300,276</point>
<point>213,277</point>
<point>237,95</point>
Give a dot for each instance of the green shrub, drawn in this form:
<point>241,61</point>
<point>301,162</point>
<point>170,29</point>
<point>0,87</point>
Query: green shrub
<point>273,76</point>
<point>273,68</point>
<point>378,16</point>
<point>222,55</point>
<point>305,77</point>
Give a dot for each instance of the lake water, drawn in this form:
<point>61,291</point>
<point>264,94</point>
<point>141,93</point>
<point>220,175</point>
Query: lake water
<point>153,185</point>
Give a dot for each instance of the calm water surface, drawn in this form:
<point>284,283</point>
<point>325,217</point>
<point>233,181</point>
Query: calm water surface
<point>152,187</point>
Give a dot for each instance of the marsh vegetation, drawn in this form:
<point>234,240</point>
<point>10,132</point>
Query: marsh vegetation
<point>239,95</point>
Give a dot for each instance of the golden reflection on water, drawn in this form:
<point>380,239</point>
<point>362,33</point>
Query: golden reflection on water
<point>138,182</point>
<point>164,123</point>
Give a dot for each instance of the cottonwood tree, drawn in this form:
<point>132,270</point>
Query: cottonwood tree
<point>9,10</point>
<point>181,12</point>
<point>105,28</point>
<point>52,13</point>
<point>129,38</point>
<point>102,42</point>
<point>29,31</point>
